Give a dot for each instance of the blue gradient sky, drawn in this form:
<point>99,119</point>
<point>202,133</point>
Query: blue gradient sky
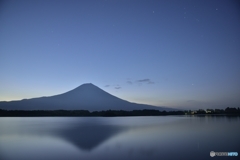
<point>183,54</point>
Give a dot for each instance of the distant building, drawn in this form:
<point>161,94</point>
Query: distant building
<point>193,112</point>
<point>207,111</point>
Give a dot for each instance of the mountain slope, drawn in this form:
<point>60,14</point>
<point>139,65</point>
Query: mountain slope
<point>85,97</point>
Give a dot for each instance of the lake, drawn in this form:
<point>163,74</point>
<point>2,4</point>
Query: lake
<point>140,138</point>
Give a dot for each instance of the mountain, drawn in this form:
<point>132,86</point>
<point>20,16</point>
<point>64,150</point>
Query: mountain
<point>85,97</point>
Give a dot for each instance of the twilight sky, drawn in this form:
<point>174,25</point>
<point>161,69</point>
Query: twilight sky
<point>174,53</point>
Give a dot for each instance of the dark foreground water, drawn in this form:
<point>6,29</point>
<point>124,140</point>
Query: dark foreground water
<point>163,137</point>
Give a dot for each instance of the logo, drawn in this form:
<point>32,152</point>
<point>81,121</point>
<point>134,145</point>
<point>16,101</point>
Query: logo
<point>212,153</point>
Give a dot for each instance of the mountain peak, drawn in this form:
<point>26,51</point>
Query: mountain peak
<point>87,85</point>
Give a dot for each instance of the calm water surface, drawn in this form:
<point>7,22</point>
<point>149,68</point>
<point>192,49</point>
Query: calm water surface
<point>141,138</point>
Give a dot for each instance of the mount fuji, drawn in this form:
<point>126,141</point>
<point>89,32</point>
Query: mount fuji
<point>85,97</point>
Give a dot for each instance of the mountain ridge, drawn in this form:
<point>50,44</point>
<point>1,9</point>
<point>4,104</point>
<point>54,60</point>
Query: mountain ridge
<point>84,97</point>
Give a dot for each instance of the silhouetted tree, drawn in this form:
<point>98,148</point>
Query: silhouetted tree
<point>230,110</point>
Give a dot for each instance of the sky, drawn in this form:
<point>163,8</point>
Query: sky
<point>175,53</point>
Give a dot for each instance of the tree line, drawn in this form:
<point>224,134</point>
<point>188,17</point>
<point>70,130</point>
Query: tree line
<point>113,113</point>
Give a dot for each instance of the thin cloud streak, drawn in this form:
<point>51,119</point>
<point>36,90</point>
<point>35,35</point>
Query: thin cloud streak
<point>147,81</point>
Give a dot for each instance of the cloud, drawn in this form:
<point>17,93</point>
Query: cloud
<point>147,81</point>
<point>115,86</point>
<point>129,82</point>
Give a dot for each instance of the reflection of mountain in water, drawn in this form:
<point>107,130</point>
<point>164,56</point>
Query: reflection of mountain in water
<point>87,137</point>
<point>84,133</point>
